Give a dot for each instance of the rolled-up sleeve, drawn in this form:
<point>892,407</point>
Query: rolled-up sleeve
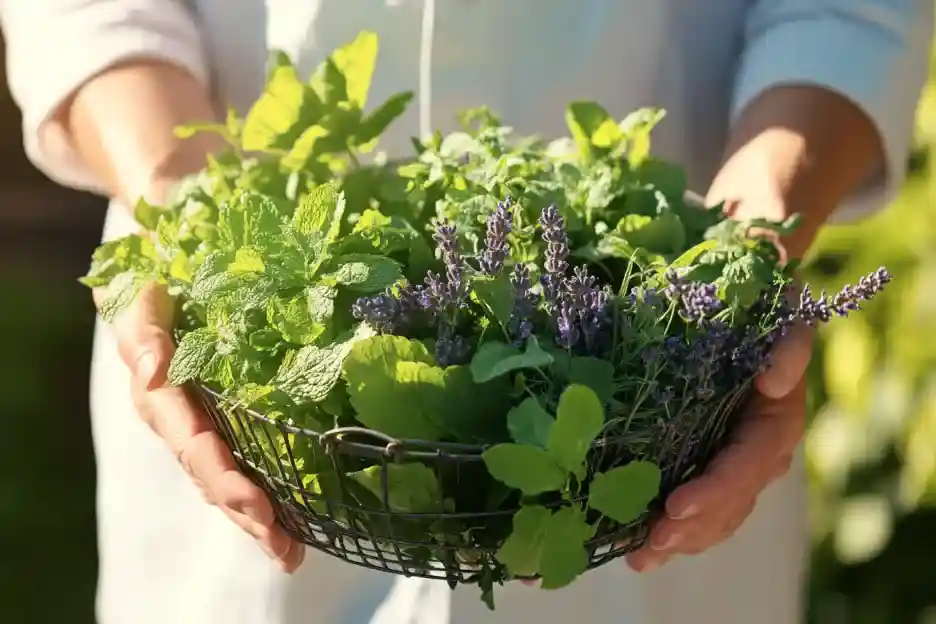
<point>55,46</point>
<point>873,52</point>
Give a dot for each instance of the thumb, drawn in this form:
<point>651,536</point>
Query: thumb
<point>144,338</point>
<point>788,363</point>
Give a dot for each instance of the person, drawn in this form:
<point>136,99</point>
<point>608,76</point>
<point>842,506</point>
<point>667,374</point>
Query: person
<point>783,105</point>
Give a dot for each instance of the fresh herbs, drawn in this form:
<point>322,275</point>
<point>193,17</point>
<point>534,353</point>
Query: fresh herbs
<point>560,308</point>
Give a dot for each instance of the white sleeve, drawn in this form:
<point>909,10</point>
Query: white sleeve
<point>873,52</point>
<point>55,46</point>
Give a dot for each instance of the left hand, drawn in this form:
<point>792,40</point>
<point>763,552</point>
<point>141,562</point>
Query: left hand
<point>710,508</point>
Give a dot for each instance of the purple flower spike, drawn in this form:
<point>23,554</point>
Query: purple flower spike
<point>554,234</point>
<point>446,235</point>
<point>495,243</point>
<point>557,250</point>
<point>379,311</point>
<point>814,310</point>
<point>521,325</point>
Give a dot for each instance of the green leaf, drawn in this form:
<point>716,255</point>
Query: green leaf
<point>494,359</point>
<point>520,552</point>
<point>598,375</point>
<point>314,371</point>
<point>662,234</point>
<point>691,254</point>
<point>624,493</point>
<point>579,419</point>
<point>529,423</point>
<point>246,260</point>
<point>411,488</point>
<point>562,553</point>
<point>120,293</point>
<point>394,386</point>
<point>526,468</point>
<point>374,124</point>
<point>591,126</point>
<point>111,258</point>
<point>356,62</point>
<point>292,318</point>
<point>470,412</point>
<point>364,273</point>
<point>192,356</point>
<point>317,209</point>
<point>496,294</point>
<point>147,215</point>
<point>285,104</point>
<point>304,148</point>
<point>321,302</point>
<point>637,127</point>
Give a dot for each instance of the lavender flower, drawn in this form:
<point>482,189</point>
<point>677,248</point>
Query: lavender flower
<point>446,236</point>
<point>696,300</point>
<point>495,243</point>
<point>821,310</point>
<point>557,250</point>
<point>521,320</point>
<point>379,311</point>
<point>450,349</point>
<point>567,332</point>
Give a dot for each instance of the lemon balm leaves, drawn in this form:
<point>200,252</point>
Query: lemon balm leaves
<point>494,359</point>
<point>563,556</point>
<point>521,550</point>
<point>529,423</point>
<point>579,419</point>
<point>526,468</point>
<point>411,487</point>
<point>624,493</point>
<point>547,544</point>
<point>393,385</point>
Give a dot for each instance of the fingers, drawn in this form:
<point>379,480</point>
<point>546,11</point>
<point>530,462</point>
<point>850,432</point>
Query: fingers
<point>710,508</point>
<point>761,450</point>
<point>671,537</point>
<point>146,346</point>
<point>788,363</point>
<point>143,335</point>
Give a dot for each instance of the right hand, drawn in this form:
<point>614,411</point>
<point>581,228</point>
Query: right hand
<point>145,343</point>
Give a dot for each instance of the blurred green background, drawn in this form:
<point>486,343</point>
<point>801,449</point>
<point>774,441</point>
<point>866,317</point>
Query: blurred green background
<point>871,444</point>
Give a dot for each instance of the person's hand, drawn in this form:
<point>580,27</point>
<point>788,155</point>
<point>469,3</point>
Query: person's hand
<point>710,508</point>
<point>146,347</point>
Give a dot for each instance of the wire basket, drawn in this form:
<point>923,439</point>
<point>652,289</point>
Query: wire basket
<point>355,526</point>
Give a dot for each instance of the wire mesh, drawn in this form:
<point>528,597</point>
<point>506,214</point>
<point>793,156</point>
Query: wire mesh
<point>306,476</point>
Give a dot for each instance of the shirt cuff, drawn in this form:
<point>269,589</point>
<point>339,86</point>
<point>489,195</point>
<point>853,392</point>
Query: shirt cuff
<point>879,66</point>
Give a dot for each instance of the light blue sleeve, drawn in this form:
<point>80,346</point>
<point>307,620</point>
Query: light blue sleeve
<point>873,52</point>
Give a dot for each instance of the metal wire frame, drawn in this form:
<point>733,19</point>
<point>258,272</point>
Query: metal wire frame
<point>348,522</point>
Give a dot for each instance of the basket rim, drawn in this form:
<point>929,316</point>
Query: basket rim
<point>382,446</point>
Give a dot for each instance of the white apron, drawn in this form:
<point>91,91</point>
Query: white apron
<point>168,558</point>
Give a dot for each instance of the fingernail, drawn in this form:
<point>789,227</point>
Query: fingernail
<point>652,565</point>
<point>688,512</point>
<point>146,368</point>
<point>670,542</point>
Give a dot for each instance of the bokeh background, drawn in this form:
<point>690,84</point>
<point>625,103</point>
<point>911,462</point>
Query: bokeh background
<point>871,443</point>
